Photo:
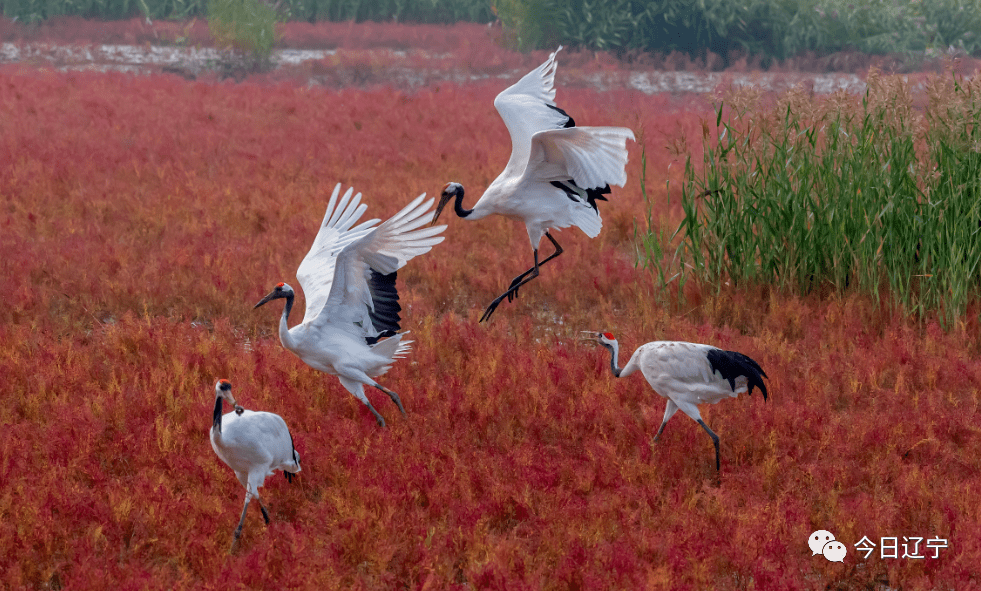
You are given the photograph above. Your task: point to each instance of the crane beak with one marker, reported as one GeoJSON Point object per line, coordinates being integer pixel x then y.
{"type": "Point", "coordinates": [274, 294]}
{"type": "Point", "coordinates": [450, 190]}
{"type": "Point", "coordinates": [591, 336]}
{"type": "Point", "coordinates": [443, 200]}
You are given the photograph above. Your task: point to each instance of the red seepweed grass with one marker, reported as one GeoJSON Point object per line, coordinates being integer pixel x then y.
{"type": "Point", "coordinates": [480, 47]}
{"type": "Point", "coordinates": [145, 216]}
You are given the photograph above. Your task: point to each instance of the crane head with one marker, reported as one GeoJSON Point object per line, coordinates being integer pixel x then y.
{"type": "Point", "coordinates": [280, 291]}
{"type": "Point", "coordinates": [603, 338]}
{"type": "Point", "coordinates": [450, 190]}
{"type": "Point", "coordinates": [223, 389]}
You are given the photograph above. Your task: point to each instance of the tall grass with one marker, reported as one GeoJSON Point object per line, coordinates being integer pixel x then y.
{"type": "Point", "coordinates": [245, 29]}
{"type": "Point", "coordinates": [775, 29]}
{"type": "Point", "coordinates": [418, 11]}
{"type": "Point", "coordinates": [842, 193]}
{"type": "Point", "coordinates": [32, 11]}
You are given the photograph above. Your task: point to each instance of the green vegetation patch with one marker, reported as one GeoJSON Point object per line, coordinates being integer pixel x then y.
{"type": "Point", "coordinates": [247, 28]}
{"type": "Point", "coordinates": [776, 29]}
{"type": "Point", "coordinates": [418, 11]}
{"type": "Point", "coordinates": [840, 193]}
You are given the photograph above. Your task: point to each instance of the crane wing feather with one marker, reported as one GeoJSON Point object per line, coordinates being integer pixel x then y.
{"type": "Point", "coordinates": [383, 250]}
{"type": "Point", "coordinates": [527, 107]}
{"type": "Point", "coordinates": [592, 157]}
{"type": "Point", "coordinates": [316, 271]}
{"type": "Point", "coordinates": [402, 237]}
{"type": "Point", "coordinates": [732, 365]}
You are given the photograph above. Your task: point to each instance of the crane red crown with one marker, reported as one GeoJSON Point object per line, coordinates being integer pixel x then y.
{"type": "Point", "coordinates": [609, 335]}
{"type": "Point", "coordinates": [280, 284]}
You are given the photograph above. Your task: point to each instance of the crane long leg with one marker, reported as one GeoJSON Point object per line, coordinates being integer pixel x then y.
{"type": "Point", "coordinates": [517, 281]}
{"type": "Point", "coordinates": [715, 440]}
{"type": "Point", "coordinates": [378, 417]}
{"type": "Point", "coordinates": [241, 522]}
{"type": "Point", "coordinates": [521, 279]}
{"type": "Point", "coordinates": [355, 385]}
{"type": "Point", "coordinates": [395, 397]}
{"type": "Point", "coordinates": [669, 409]}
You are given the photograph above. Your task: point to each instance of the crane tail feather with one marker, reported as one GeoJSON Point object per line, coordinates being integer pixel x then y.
{"type": "Point", "coordinates": [731, 365]}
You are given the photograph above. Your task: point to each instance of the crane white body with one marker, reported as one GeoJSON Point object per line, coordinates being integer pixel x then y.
{"type": "Point", "coordinates": [688, 374]}
{"type": "Point", "coordinates": [254, 445]}
{"type": "Point", "coordinates": [556, 173]}
{"type": "Point", "coordinates": [682, 373]}
{"type": "Point", "coordinates": [350, 323]}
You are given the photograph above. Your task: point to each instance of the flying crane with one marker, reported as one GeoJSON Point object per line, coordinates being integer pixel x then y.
{"type": "Point", "coordinates": [556, 173]}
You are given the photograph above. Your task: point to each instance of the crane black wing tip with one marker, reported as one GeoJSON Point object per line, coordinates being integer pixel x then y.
{"type": "Point", "coordinates": [385, 301]}
{"type": "Point", "coordinates": [382, 335]}
{"type": "Point", "coordinates": [731, 365]}
{"type": "Point", "coordinates": [569, 121]}
{"type": "Point", "coordinates": [594, 195]}
{"type": "Point", "coordinates": [574, 192]}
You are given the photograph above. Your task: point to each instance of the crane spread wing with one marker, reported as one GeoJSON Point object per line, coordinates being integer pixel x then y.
{"type": "Point", "coordinates": [592, 157]}
{"type": "Point", "coordinates": [527, 107]}
{"type": "Point", "coordinates": [316, 272]}
{"type": "Point", "coordinates": [362, 297]}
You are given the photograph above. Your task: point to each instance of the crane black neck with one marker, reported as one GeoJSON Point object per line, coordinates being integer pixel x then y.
{"type": "Point", "coordinates": [613, 360]}
{"type": "Point", "coordinates": [216, 423]}
{"type": "Point", "coordinates": [289, 306]}
{"type": "Point", "coordinates": [458, 205]}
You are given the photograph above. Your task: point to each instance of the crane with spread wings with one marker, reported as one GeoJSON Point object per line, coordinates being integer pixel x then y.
{"type": "Point", "coordinates": [351, 322]}
{"type": "Point", "coordinates": [556, 174]}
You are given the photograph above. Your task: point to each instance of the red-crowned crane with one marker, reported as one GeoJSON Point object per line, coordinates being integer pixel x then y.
{"type": "Point", "coordinates": [687, 374]}
{"type": "Point", "coordinates": [350, 326]}
{"type": "Point", "coordinates": [254, 445]}
{"type": "Point", "coordinates": [556, 174]}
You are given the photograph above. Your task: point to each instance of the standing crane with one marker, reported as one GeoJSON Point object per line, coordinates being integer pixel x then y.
{"type": "Point", "coordinates": [687, 374]}
{"type": "Point", "coordinates": [351, 322]}
{"type": "Point", "coordinates": [556, 174]}
{"type": "Point", "coordinates": [254, 445]}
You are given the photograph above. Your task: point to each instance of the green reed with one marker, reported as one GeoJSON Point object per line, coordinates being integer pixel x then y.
{"type": "Point", "coordinates": [840, 193]}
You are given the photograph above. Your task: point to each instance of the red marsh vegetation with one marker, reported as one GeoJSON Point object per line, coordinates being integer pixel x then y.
{"type": "Point", "coordinates": [469, 48]}
{"type": "Point", "coordinates": [144, 216]}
